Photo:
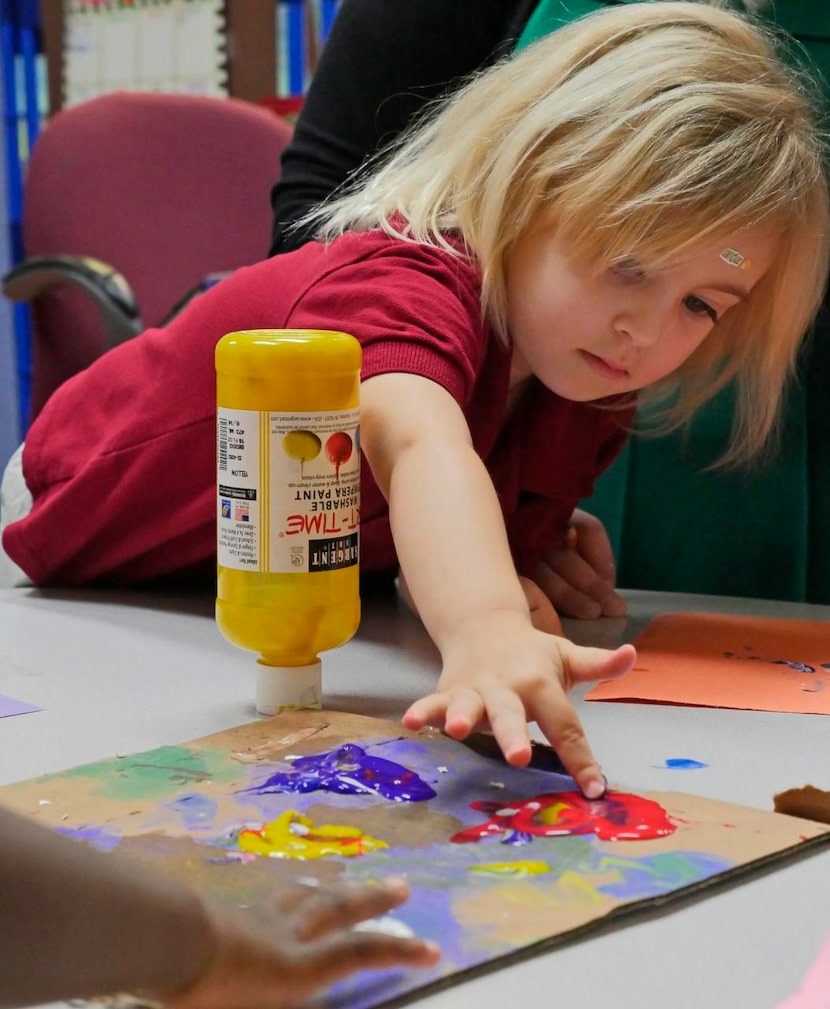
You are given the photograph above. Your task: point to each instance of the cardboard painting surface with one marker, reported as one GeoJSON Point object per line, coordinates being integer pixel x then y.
{"type": "Point", "coordinates": [508, 893]}
{"type": "Point", "coordinates": [722, 661]}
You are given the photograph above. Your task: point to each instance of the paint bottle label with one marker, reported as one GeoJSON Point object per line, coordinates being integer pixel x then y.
{"type": "Point", "coordinates": [288, 490]}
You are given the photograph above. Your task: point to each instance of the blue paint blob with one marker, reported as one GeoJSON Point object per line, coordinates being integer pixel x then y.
{"type": "Point", "coordinates": [681, 764]}
{"type": "Point", "coordinates": [195, 809]}
{"type": "Point", "coordinates": [517, 837]}
{"type": "Point", "coordinates": [652, 875]}
{"type": "Point", "coordinates": [349, 770]}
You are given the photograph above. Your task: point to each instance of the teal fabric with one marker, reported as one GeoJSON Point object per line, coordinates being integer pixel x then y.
{"type": "Point", "coordinates": [552, 14]}
{"type": "Point", "coordinates": [677, 525]}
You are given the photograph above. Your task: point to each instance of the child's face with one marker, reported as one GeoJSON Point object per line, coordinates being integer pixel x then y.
{"type": "Point", "coordinates": [588, 335]}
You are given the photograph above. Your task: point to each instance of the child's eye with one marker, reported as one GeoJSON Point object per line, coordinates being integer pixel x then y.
{"type": "Point", "coordinates": [697, 306]}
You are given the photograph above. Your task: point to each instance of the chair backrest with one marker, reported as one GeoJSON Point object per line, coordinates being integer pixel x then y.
{"type": "Point", "coordinates": [165, 188]}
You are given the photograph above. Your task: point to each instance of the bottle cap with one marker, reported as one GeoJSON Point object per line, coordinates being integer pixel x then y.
{"type": "Point", "coordinates": [285, 688]}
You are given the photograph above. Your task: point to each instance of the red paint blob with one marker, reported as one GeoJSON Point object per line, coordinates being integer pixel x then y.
{"type": "Point", "coordinates": [620, 816]}
{"type": "Point", "coordinates": [338, 450]}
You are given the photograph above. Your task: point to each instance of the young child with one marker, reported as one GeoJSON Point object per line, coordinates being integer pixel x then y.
{"type": "Point", "coordinates": [635, 203]}
{"type": "Point", "coordinates": [76, 923]}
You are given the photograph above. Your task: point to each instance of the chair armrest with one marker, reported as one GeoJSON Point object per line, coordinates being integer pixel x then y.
{"type": "Point", "coordinates": [108, 289]}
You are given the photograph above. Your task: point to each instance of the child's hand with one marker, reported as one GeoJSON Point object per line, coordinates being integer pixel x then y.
{"type": "Point", "coordinates": [279, 960]}
{"type": "Point", "coordinates": [500, 672]}
{"type": "Point", "coordinates": [579, 576]}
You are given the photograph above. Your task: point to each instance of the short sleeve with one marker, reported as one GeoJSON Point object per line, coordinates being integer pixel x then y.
{"type": "Point", "coordinates": [414, 309]}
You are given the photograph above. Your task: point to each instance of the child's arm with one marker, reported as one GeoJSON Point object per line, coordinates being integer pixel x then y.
{"type": "Point", "coordinates": [75, 922]}
{"type": "Point", "coordinates": [498, 670]}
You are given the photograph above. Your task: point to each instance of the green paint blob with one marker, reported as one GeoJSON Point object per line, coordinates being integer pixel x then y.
{"type": "Point", "coordinates": [154, 773]}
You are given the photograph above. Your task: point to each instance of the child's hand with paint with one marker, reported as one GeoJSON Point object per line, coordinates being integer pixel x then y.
{"type": "Point", "coordinates": [279, 960]}
{"type": "Point", "coordinates": [502, 665]}
{"type": "Point", "coordinates": [500, 672]}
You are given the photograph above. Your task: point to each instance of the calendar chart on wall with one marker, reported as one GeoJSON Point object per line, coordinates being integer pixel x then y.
{"type": "Point", "coordinates": [144, 45]}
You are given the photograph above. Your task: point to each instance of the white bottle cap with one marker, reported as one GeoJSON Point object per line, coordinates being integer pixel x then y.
{"type": "Point", "coordinates": [284, 688]}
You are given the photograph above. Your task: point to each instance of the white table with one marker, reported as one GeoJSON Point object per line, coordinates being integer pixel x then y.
{"type": "Point", "coordinates": [121, 672]}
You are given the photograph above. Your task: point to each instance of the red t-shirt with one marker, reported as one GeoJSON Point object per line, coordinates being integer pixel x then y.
{"type": "Point", "coordinates": [121, 461]}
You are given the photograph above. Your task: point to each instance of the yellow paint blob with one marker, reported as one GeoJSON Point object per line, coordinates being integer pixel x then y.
{"type": "Point", "coordinates": [575, 888]}
{"type": "Point", "coordinates": [551, 814]}
{"type": "Point", "coordinates": [518, 869]}
{"type": "Point", "coordinates": [292, 835]}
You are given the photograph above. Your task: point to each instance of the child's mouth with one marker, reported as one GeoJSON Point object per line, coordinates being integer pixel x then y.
{"type": "Point", "coordinates": [603, 366]}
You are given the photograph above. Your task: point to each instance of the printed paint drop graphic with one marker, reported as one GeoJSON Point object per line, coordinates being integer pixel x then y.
{"type": "Point", "coordinates": [302, 445]}
{"type": "Point", "coordinates": [339, 450]}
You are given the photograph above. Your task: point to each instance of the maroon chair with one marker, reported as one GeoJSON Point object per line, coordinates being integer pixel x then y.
{"type": "Point", "coordinates": [131, 199]}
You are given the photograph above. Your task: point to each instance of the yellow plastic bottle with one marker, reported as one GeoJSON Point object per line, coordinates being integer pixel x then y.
{"type": "Point", "coordinates": [288, 503]}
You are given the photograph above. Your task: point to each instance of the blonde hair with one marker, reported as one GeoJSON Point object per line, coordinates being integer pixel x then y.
{"type": "Point", "coordinates": [638, 131]}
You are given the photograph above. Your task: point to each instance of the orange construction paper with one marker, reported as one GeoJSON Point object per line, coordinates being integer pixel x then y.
{"type": "Point", "coordinates": [721, 661]}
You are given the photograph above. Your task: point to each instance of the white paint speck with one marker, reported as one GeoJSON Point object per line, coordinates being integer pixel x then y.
{"type": "Point", "coordinates": [387, 925]}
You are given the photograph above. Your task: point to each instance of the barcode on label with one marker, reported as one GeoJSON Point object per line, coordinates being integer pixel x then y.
{"type": "Point", "coordinates": [222, 442]}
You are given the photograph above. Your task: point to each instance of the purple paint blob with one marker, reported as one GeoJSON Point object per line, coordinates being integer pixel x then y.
{"type": "Point", "coordinates": [96, 837]}
{"type": "Point", "coordinates": [349, 770]}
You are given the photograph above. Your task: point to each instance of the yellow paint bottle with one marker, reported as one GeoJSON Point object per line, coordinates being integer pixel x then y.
{"type": "Point", "coordinates": [288, 503]}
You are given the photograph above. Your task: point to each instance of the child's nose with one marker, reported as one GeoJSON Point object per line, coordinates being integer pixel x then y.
{"type": "Point", "coordinates": [642, 326]}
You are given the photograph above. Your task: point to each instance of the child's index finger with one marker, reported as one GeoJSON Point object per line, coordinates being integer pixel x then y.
{"type": "Point", "coordinates": [560, 725]}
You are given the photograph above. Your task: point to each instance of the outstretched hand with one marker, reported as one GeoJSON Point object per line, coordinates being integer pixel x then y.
{"type": "Point", "coordinates": [500, 672]}
{"type": "Point", "coordinates": [278, 960]}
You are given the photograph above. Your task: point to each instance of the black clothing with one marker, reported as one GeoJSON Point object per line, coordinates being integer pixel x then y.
{"type": "Point", "coordinates": [384, 60]}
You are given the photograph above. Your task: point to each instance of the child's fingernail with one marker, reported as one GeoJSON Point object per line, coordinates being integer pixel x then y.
{"type": "Point", "coordinates": [396, 884]}
{"type": "Point", "coordinates": [596, 788]}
